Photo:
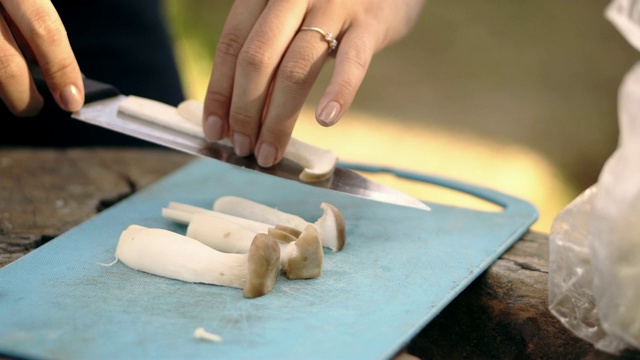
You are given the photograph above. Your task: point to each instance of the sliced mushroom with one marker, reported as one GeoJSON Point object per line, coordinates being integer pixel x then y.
{"type": "Point", "coordinates": [168, 254]}
{"type": "Point", "coordinates": [158, 113]}
{"type": "Point", "coordinates": [331, 226]}
{"type": "Point", "coordinates": [318, 163]}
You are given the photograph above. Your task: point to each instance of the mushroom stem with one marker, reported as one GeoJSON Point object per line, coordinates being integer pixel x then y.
{"type": "Point", "coordinates": [165, 253]}
{"type": "Point", "coordinates": [181, 213]}
{"type": "Point", "coordinates": [301, 254]}
{"type": "Point", "coordinates": [331, 226]}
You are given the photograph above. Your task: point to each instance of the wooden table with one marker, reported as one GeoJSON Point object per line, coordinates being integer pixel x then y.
{"type": "Point", "coordinates": [502, 314]}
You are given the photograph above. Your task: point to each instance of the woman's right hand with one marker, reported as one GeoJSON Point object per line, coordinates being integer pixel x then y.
{"type": "Point", "coordinates": [31, 31]}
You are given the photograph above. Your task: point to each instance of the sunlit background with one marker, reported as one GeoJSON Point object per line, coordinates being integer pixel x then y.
{"type": "Point", "coordinates": [516, 96]}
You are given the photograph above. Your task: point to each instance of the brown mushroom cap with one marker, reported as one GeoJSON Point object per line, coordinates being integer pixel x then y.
{"type": "Point", "coordinates": [307, 264]}
{"type": "Point", "coordinates": [263, 266]}
{"type": "Point", "coordinates": [283, 233]}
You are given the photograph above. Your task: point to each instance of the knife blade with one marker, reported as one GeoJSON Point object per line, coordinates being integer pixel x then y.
{"type": "Point", "coordinates": [101, 108]}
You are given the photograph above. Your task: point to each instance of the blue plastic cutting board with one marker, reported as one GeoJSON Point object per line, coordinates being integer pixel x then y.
{"type": "Point", "coordinates": [401, 266]}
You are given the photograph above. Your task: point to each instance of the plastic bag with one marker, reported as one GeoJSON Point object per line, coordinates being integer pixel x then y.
{"type": "Point", "coordinates": [594, 269]}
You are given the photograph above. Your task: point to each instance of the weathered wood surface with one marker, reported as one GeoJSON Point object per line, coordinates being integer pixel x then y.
{"type": "Point", "coordinates": [43, 192]}
{"type": "Point", "coordinates": [503, 314]}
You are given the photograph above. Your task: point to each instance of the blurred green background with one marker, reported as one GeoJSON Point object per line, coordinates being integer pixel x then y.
{"type": "Point", "coordinates": [518, 96]}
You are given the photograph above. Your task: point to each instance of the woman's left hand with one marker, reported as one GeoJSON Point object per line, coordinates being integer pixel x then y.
{"type": "Point", "coordinates": [266, 63]}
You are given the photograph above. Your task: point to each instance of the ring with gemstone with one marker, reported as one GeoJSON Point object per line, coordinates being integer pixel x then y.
{"type": "Point", "coordinates": [328, 37]}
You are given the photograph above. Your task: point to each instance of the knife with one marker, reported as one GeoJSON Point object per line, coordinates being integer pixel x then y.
{"type": "Point", "coordinates": [101, 108]}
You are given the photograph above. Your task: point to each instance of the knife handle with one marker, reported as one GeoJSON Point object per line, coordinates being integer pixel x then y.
{"type": "Point", "coordinates": [93, 90]}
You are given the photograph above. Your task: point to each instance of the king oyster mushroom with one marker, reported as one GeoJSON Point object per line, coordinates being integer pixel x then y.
{"type": "Point", "coordinates": [168, 254]}
{"type": "Point", "coordinates": [331, 226]}
{"type": "Point", "coordinates": [301, 254]}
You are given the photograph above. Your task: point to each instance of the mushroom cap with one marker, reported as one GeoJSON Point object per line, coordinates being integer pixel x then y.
{"type": "Point", "coordinates": [307, 263]}
{"type": "Point", "coordinates": [263, 266]}
{"type": "Point", "coordinates": [331, 227]}
{"type": "Point", "coordinates": [283, 233]}
{"type": "Point", "coordinates": [318, 163]}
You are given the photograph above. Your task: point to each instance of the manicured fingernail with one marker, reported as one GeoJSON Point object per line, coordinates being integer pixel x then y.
{"type": "Point", "coordinates": [241, 144]}
{"type": "Point", "coordinates": [329, 114]}
{"type": "Point", "coordinates": [70, 98]}
{"type": "Point", "coordinates": [266, 155]}
{"type": "Point", "coordinates": [213, 128]}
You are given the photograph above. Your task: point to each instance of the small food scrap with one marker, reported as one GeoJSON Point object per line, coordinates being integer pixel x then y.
{"type": "Point", "coordinates": [201, 334]}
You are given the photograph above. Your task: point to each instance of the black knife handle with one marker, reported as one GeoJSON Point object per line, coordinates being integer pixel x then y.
{"type": "Point", "coordinates": [93, 90]}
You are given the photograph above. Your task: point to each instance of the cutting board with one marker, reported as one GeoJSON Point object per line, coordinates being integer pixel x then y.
{"type": "Point", "coordinates": [400, 267]}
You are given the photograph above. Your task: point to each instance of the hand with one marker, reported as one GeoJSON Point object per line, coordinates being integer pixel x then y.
{"type": "Point", "coordinates": [265, 65]}
{"type": "Point", "coordinates": [31, 31]}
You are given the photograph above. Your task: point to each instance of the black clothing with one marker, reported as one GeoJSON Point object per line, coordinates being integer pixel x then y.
{"type": "Point", "coordinates": [120, 42]}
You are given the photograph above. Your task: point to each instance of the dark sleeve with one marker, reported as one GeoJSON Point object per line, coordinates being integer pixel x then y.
{"type": "Point", "coordinates": [120, 42]}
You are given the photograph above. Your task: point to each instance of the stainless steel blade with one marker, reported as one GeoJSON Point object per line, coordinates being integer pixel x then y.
{"type": "Point", "coordinates": [105, 113]}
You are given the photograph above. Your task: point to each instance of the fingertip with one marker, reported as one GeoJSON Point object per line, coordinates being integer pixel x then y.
{"type": "Point", "coordinates": [213, 128]}
{"type": "Point", "coordinates": [266, 155]}
{"type": "Point", "coordinates": [71, 99]}
{"type": "Point", "coordinates": [329, 114]}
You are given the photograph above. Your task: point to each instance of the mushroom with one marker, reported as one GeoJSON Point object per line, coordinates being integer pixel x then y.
{"type": "Point", "coordinates": [301, 254]}
{"type": "Point", "coordinates": [158, 113]}
{"type": "Point", "coordinates": [318, 163]}
{"type": "Point", "coordinates": [181, 213]}
{"type": "Point", "coordinates": [165, 253]}
{"type": "Point", "coordinates": [331, 226]}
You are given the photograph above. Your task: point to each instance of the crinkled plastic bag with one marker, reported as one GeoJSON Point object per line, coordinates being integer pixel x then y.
{"type": "Point", "coordinates": [594, 270]}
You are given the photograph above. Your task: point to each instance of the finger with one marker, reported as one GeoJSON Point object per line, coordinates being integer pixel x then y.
{"type": "Point", "coordinates": [295, 77]}
{"type": "Point", "coordinates": [354, 55]}
{"type": "Point", "coordinates": [17, 89]}
{"type": "Point", "coordinates": [256, 66]}
{"type": "Point", "coordinates": [39, 23]}
{"type": "Point", "coordinates": [215, 119]}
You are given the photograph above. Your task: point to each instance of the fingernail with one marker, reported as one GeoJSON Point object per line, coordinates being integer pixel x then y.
{"type": "Point", "coordinates": [70, 98]}
{"type": "Point", "coordinates": [213, 128]}
{"type": "Point", "coordinates": [330, 114]}
{"type": "Point", "coordinates": [266, 155]}
{"type": "Point", "coordinates": [241, 144]}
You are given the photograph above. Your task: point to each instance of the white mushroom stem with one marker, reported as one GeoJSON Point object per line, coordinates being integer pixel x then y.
{"type": "Point", "coordinates": [159, 113]}
{"type": "Point", "coordinates": [191, 110]}
{"type": "Point", "coordinates": [318, 163]}
{"type": "Point", "coordinates": [301, 254]}
{"type": "Point", "coordinates": [168, 254]}
{"type": "Point", "coordinates": [181, 213]}
{"type": "Point", "coordinates": [330, 226]}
